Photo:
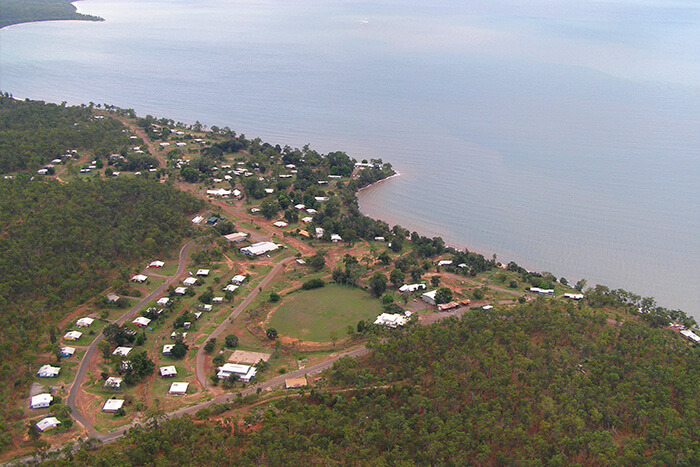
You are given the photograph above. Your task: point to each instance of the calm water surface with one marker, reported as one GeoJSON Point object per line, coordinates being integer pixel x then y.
{"type": "Point", "coordinates": [562, 135]}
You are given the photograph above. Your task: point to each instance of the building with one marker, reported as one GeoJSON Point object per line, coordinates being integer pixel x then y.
{"type": "Point", "coordinates": [539, 291]}
{"type": "Point", "coordinates": [168, 371]}
{"type": "Point", "coordinates": [178, 388]}
{"type": "Point", "coordinates": [217, 299]}
{"type": "Point", "coordinates": [293, 383]}
{"type": "Point", "coordinates": [258, 249]}
{"type": "Point", "coordinates": [690, 335]}
{"type": "Point", "coordinates": [72, 335]}
{"type": "Point", "coordinates": [221, 192]}
{"type": "Point", "coordinates": [236, 237]}
{"type": "Point", "coordinates": [112, 405]}
{"type": "Point", "coordinates": [244, 372]}
{"type": "Point", "coordinates": [444, 262]}
{"type": "Point", "coordinates": [156, 264]}
{"type": "Point", "coordinates": [84, 322]}
{"type": "Point", "coordinates": [180, 290]}
{"type": "Point", "coordinates": [113, 382]}
{"type": "Point", "coordinates": [448, 306]}
{"type": "Point", "coordinates": [112, 298]}
{"type": "Point", "coordinates": [48, 423]}
{"type": "Point", "coordinates": [574, 296]}
{"type": "Point", "coordinates": [391, 320]}
{"type": "Point", "coordinates": [411, 287]}
{"type": "Point", "coordinates": [40, 401]}
{"type": "Point", "coordinates": [202, 272]}
{"type": "Point", "coordinates": [238, 279]}
{"type": "Point", "coordinates": [48, 371]}
{"type": "Point", "coordinates": [429, 297]}
{"type": "Point", "coordinates": [167, 349]}
{"type": "Point", "coordinates": [163, 301]}
{"type": "Point", "coordinates": [139, 278]}
{"type": "Point", "coordinates": [66, 351]}
{"type": "Point", "coordinates": [379, 239]}
{"type": "Point", "coordinates": [189, 282]}
{"type": "Point", "coordinates": [197, 219]}
{"type": "Point", "coordinates": [122, 351]}
{"type": "Point", "coordinates": [230, 288]}
{"type": "Point", "coordinates": [280, 224]}
{"type": "Point", "coordinates": [335, 238]}
{"type": "Point", "coordinates": [141, 321]}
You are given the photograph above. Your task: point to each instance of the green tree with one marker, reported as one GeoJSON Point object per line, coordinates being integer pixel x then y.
{"type": "Point", "coordinates": [397, 277]}
{"type": "Point", "coordinates": [231, 341]}
{"type": "Point", "coordinates": [271, 333]}
{"type": "Point", "coordinates": [443, 295]}
{"type": "Point", "coordinates": [179, 349]}
{"type": "Point", "coordinates": [377, 283]}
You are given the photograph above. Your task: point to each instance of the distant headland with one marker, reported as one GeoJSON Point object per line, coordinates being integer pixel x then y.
{"type": "Point", "coordinates": [29, 11]}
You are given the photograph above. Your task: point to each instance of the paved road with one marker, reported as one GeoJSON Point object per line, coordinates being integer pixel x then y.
{"type": "Point", "coordinates": [201, 355]}
{"type": "Point", "coordinates": [84, 363]}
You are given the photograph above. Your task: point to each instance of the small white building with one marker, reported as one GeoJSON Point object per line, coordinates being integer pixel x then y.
{"type": "Point", "coordinates": [168, 349]}
{"type": "Point", "coordinates": [40, 401]}
{"type": "Point", "coordinates": [180, 290]}
{"type": "Point", "coordinates": [178, 388]}
{"type": "Point", "coordinates": [141, 321]}
{"type": "Point", "coordinates": [444, 262]}
{"type": "Point", "coordinates": [280, 224]}
{"type": "Point", "coordinates": [48, 423]}
{"type": "Point", "coordinates": [391, 320]}
{"type": "Point", "coordinates": [178, 335]}
{"type": "Point", "coordinates": [113, 382]}
{"type": "Point", "coordinates": [311, 211]}
{"type": "Point", "coordinates": [197, 219]}
{"type": "Point", "coordinates": [202, 272]}
{"type": "Point", "coordinates": [540, 291]}
{"type": "Point", "coordinates": [335, 238]}
{"type": "Point", "coordinates": [258, 249]}
{"type": "Point", "coordinates": [230, 288]}
{"type": "Point", "coordinates": [217, 299]}
{"type": "Point", "coordinates": [300, 206]}
{"type": "Point", "coordinates": [67, 351]}
{"type": "Point", "coordinates": [156, 264]}
{"type": "Point", "coordinates": [221, 192]}
{"type": "Point", "coordinates": [244, 372]}
{"type": "Point", "coordinates": [122, 351]}
{"type": "Point", "coordinates": [168, 371]}
{"type": "Point", "coordinates": [307, 219]}
{"type": "Point", "coordinates": [429, 297]}
{"type": "Point", "coordinates": [189, 282]}
{"type": "Point", "coordinates": [487, 307]}
{"type": "Point", "coordinates": [321, 199]}
{"type": "Point", "coordinates": [72, 335]}
{"type": "Point", "coordinates": [139, 278]}
{"type": "Point", "coordinates": [236, 237]}
{"type": "Point", "coordinates": [84, 322]}
{"type": "Point", "coordinates": [163, 301]}
{"type": "Point", "coordinates": [238, 279]}
{"type": "Point", "coordinates": [112, 405]}
{"type": "Point", "coordinates": [690, 335]}
{"type": "Point", "coordinates": [48, 371]}
{"type": "Point", "coordinates": [574, 296]}
{"type": "Point", "coordinates": [411, 287]}
{"type": "Point", "coordinates": [379, 239]}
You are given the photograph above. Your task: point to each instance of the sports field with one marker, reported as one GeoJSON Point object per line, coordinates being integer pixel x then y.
{"type": "Point", "coordinates": [313, 315]}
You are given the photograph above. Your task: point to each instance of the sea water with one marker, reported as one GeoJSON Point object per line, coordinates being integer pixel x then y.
{"type": "Point", "coordinates": [562, 135]}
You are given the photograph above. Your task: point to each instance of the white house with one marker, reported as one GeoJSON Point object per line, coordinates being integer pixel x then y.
{"type": "Point", "coordinates": [319, 232]}
{"type": "Point", "coordinates": [307, 219]}
{"type": "Point", "coordinates": [300, 206]}
{"type": "Point", "coordinates": [379, 239]}
{"type": "Point", "coordinates": [180, 290]}
{"type": "Point", "coordinates": [141, 321]}
{"type": "Point", "coordinates": [444, 262]}
{"type": "Point", "coordinates": [391, 320]}
{"type": "Point", "coordinates": [139, 278]}
{"type": "Point", "coordinates": [189, 282]}
{"type": "Point", "coordinates": [236, 237]}
{"type": "Point", "coordinates": [280, 224]}
{"type": "Point", "coordinates": [411, 287]}
{"type": "Point", "coordinates": [67, 351]}
{"type": "Point", "coordinates": [217, 299]}
{"type": "Point", "coordinates": [72, 335]}
{"type": "Point", "coordinates": [429, 297]}
{"type": "Point", "coordinates": [167, 349]}
{"type": "Point", "coordinates": [122, 351]}
{"type": "Point", "coordinates": [312, 211]}
{"type": "Point", "coordinates": [574, 296]}
{"type": "Point", "coordinates": [113, 382]}
{"type": "Point", "coordinates": [163, 301]}
{"type": "Point", "coordinates": [321, 199]}
{"type": "Point", "coordinates": [202, 272]}
{"type": "Point", "coordinates": [48, 371]}
{"type": "Point", "coordinates": [178, 335]}
{"type": "Point", "coordinates": [258, 249]}
{"type": "Point", "coordinates": [230, 288]}
{"type": "Point", "coordinates": [238, 279]}
{"type": "Point", "coordinates": [40, 401]}
{"type": "Point", "coordinates": [244, 372]}
{"type": "Point", "coordinates": [112, 405]}
{"type": "Point", "coordinates": [690, 335]}
{"type": "Point", "coordinates": [219, 192]}
{"type": "Point", "coordinates": [335, 238]}
{"type": "Point", "coordinates": [487, 307]}
{"type": "Point", "coordinates": [84, 322]}
{"type": "Point", "coordinates": [156, 264]}
{"type": "Point", "coordinates": [168, 371]}
{"type": "Point", "coordinates": [48, 424]}
{"type": "Point", "coordinates": [539, 291]}
{"type": "Point", "coordinates": [178, 388]}
{"type": "Point", "coordinates": [269, 191]}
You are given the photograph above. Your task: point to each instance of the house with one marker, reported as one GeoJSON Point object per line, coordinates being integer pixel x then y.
{"type": "Point", "coordinates": [230, 288]}
{"type": "Point", "coordinates": [574, 296]}
{"type": "Point", "coordinates": [112, 298]}
{"type": "Point", "coordinates": [690, 335]}
{"type": "Point", "coordinates": [221, 192]}
{"type": "Point", "coordinates": [139, 278]}
{"type": "Point", "coordinates": [178, 388]}
{"type": "Point", "coordinates": [487, 307]}
{"type": "Point", "coordinates": [72, 335]}
{"type": "Point", "coordinates": [238, 279]}
{"type": "Point", "coordinates": [113, 382]}
{"type": "Point", "coordinates": [48, 423]}
{"type": "Point", "coordinates": [269, 191]}
{"type": "Point", "coordinates": [205, 308]}
{"type": "Point", "coordinates": [411, 287]}
{"type": "Point", "coordinates": [539, 291]}
{"type": "Point", "coordinates": [168, 371]}
{"type": "Point", "coordinates": [319, 232]}
{"type": "Point", "coordinates": [40, 401]}
{"type": "Point", "coordinates": [197, 219]}
{"type": "Point", "coordinates": [293, 383]}
{"type": "Point", "coordinates": [178, 335]}
{"type": "Point", "coordinates": [165, 145]}
{"type": "Point", "coordinates": [300, 206]}
{"type": "Point", "coordinates": [448, 306]}
{"type": "Point", "coordinates": [280, 224]}
{"type": "Point", "coordinates": [258, 249]}
{"type": "Point", "coordinates": [300, 261]}
{"type": "Point", "coordinates": [236, 237]}
{"type": "Point", "coordinates": [311, 211]}
{"type": "Point", "coordinates": [112, 405]}
{"type": "Point", "coordinates": [444, 262]}
{"type": "Point", "coordinates": [141, 321]}
{"type": "Point", "coordinates": [198, 314]}
{"type": "Point", "coordinates": [237, 194]}
{"type": "Point", "coordinates": [217, 299]}
{"type": "Point", "coordinates": [48, 371]}
{"type": "Point", "coordinates": [189, 282]}
{"type": "Point", "coordinates": [335, 238]}
{"type": "Point", "coordinates": [429, 297]}
{"type": "Point", "coordinates": [254, 210]}
{"type": "Point", "coordinates": [379, 239]}
{"type": "Point", "coordinates": [156, 264]}
{"type": "Point", "coordinates": [66, 351]}
{"type": "Point", "coordinates": [163, 301]}
{"type": "Point", "coordinates": [321, 199]}
{"type": "Point", "coordinates": [167, 349]}
{"type": "Point", "coordinates": [391, 320]}
{"type": "Point", "coordinates": [122, 351]}
{"type": "Point", "coordinates": [307, 220]}
{"type": "Point", "coordinates": [304, 233]}
{"type": "Point", "coordinates": [180, 145]}
{"type": "Point", "coordinates": [84, 322]}
{"type": "Point", "coordinates": [244, 372]}
{"type": "Point", "coordinates": [202, 272]}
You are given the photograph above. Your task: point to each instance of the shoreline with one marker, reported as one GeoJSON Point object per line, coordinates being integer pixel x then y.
{"type": "Point", "coordinates": [90, 18]}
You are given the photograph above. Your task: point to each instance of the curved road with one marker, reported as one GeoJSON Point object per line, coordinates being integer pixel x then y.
{"type": "Point", "coordinates": [84, 363]}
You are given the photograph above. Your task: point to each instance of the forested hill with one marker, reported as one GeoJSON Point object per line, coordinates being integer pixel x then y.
{"type": "Point", "coordinates": [544, 383]}
{"type": "Point", "coordinates": [32, 133]}
{"type": "Point", "coordinates": [61, 244]}
{"type": "Point", "coordinates": [27, 11]}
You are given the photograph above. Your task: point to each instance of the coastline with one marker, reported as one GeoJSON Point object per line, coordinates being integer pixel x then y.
{"type": "Point", "coordinates": [82, 17]}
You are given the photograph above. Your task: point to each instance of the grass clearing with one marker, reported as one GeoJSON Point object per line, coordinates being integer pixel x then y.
{"type": "Point", "coordinates": [317, 314]}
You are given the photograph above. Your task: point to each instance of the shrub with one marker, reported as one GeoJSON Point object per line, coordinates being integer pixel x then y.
{"type": "Point", "coordinates": [313, 284]}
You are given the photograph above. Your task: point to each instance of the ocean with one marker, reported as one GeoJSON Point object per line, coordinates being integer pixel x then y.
{"type": "Point", "coordinates": [562, 135]}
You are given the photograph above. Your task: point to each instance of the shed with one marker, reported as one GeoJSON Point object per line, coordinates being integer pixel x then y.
{"type": "Point", "coordinates": [236, 237]}
{"type": "Point", "coordinates": [141, 321]}
{"type": "Point", "coordinates": [40, 401]}
{"type": "Point", "coordinates": [178, 388]}
{"type": "Point", "coordinates": [258, 249]}
{"type": "Point", "coordinates": [429, 297]}
{"type": "Point", "coordinates": [156, 264]}
{"type": "Point", "coordinates": [112, 405]}
{"type": "Point", "coordinates": [335, 238]}
{"type": "Point", "coordinates": [48, 423]}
